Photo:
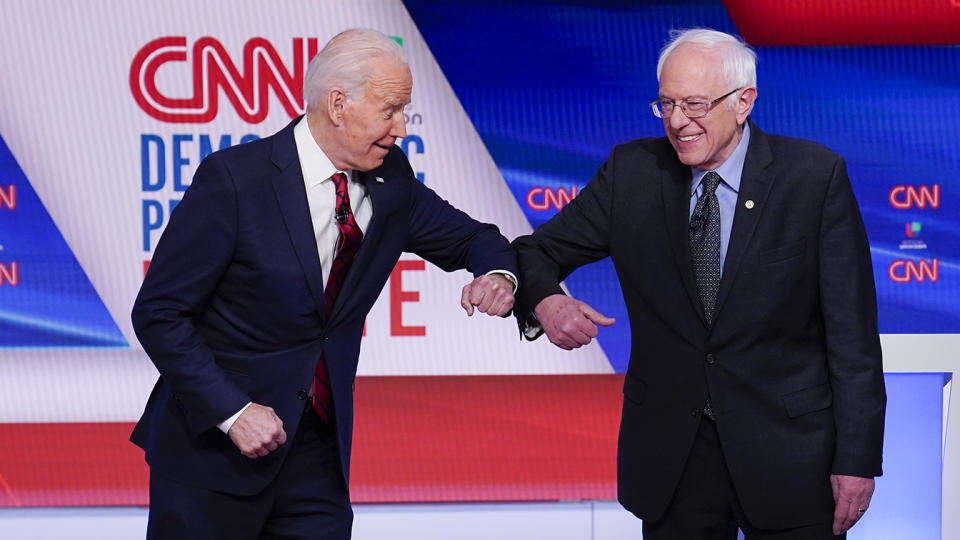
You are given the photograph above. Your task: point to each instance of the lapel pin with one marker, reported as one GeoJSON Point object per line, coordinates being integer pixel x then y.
{"type": "Point", "coordinates": [379, 179]}
{"type": "Point", "coordinates": [749, 204]}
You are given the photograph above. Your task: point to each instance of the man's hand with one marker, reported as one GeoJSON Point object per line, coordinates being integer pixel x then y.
{"type": "Point", "coordinates": [569, 323]}
{"type": "Point", "coordinates": [257, 431]}
{"type": "Point", "coordinates": [852, 495]}
{"type": "Point", "coordinates": [491, 294]}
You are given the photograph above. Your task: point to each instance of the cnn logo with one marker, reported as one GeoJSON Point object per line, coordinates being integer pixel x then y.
{"type": "Point", "coordinates": [210, 70]}
{"type": "Point", "coordinates": [541, 198]}
{"type": "Point", "coordinates": [904, 197]}
{"type": "Point", "coordinates": [905, 271]}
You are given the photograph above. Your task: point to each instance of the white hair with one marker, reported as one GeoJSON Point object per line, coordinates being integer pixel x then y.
{"type": "Point", "coordinates": [343, 63]}
{"type": "Point", "coordinates": [739, 64]}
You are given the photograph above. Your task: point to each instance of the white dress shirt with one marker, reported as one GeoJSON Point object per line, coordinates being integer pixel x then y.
{"type": "Point", "coordinates": [322, 196]}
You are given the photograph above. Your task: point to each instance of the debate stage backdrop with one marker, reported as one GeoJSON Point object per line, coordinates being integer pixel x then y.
{"type": "Point", "coordinates": [107, 108]}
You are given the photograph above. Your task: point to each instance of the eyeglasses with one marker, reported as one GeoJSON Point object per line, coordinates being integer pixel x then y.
{"type": "Point", "coordinates": [663, 108]}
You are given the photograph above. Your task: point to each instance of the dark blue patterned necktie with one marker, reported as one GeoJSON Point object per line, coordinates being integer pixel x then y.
{"type": "Point", "coordinates": [705, 244]}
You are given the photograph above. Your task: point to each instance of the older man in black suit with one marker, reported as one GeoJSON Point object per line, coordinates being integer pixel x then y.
{"type": "Point", "coordinates": [754, 396]}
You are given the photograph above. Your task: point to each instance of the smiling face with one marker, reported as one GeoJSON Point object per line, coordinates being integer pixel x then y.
{"type": "Point", "coordinates": [694, 72]}
{"type": "Point", "coordinates": [371, 123]}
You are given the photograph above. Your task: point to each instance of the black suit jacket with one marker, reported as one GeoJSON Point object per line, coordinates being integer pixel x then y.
{"type": "Point", "coordinates": [232, 307]}
{"type": "Point", "coordinates": [792, 363]}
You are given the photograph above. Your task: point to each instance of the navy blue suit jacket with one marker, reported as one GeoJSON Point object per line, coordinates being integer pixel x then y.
{"type": "Point", "coordinates": [792, 363]}
{"type": "Point", "coordinates": [232, 307]}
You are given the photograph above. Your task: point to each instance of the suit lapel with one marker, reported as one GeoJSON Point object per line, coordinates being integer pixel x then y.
{"type": "Point", "coordinates": [755, 185]}
{"type": "Point", "coordinates": [292, 197]}
{"type": "Point", "coordinates": [675, 182]}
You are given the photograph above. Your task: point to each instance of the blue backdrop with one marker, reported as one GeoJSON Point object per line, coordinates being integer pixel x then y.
{"type": "Point", "coordinates": [551, 87]}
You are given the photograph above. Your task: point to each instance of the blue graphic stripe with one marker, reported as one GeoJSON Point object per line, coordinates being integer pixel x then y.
{"type": "Point", "coordinates": [48, 301]}
{"type": "Point", "coordinates": [53, 333]}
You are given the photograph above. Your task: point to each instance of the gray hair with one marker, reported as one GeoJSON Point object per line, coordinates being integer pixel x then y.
{"type": "Point", "coordinates": [343, 63]}
{"type": "Point", "coordinates": [739, 65]}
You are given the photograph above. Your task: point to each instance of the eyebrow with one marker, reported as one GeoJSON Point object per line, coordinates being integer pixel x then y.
{"type": "Point", "coordinates": [704, 98]}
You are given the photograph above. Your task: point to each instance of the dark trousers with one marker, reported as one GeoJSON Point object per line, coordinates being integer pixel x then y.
{"type": "Point", "coordinates": [307, 500]}
{"type": "Point", "coordinates": [705, 505]}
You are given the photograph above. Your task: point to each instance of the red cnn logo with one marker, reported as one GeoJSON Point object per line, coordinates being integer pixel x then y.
{"type": "Point", "coordinates": [904, 271]}
{"type": "Point", "coordinates": [904, 197]}
{"type": "Point", "coordinates": [540, 198]}
{"type": "Point", "coordinates": [213, 70]}
{"type": "Point", "coordinates": [10, 274]}
{"type": "Point", "coordinates": [8, 197]}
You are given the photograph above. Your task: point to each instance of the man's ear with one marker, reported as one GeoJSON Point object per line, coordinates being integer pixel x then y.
{"type": "Point", "coordinates": [744, 104]}
{"type": "Point", "coordinates": [336, 102]}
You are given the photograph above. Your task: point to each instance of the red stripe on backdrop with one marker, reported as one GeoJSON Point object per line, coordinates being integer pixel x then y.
{"type": "Point", "coordinates": [82, 464]}
{"type": "Point", "coordinates": [846, 22]}
{"type": "Point", "coordinates": [416, 439]}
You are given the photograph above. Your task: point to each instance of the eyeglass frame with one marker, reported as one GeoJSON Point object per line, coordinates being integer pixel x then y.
{"type": "Point", "coordinates": [683, 105]}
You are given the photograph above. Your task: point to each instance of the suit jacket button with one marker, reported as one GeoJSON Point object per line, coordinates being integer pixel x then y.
{"type": "Point", "coordinates": [302, 394]}
{"type": "Point", "coordinates": [711, 360]}
{"type": "Point", "coordinates": [695, 413]}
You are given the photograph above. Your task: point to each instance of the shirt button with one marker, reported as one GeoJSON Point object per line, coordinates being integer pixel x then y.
{"type": "Point", "coordinates": [711, 360]}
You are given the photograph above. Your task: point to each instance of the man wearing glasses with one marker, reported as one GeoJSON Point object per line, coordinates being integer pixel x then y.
{"type": "Point", "coordinates": [754, 396]}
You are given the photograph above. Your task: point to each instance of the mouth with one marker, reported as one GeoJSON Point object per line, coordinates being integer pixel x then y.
{"type": "Point", "coordinates": [688, 138]}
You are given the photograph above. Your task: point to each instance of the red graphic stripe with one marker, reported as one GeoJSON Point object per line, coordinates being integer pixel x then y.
{"type": "Point", "coordinates": [846, 22]}
{"type": "Point", "coordinates": [486, 438]}
{"type": "Point", "coordinates": [69, 464]}
{"type": "Point", "coordinates": [8, 493]}
{"type": "Point", "coordinates": [431, 438]}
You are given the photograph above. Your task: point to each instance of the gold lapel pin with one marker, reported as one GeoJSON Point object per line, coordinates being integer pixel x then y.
{"type": "Point", "coordinates": [749, 204]}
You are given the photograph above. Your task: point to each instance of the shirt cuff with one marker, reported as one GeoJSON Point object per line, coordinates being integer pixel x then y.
{"type": "Point", "coordinates": [228, 423]}
{"type": "Point", "coordinates": [510, 277]}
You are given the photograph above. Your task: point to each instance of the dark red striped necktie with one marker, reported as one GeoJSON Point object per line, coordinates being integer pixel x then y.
{"type": "Point", "coordinates": [348, 242]}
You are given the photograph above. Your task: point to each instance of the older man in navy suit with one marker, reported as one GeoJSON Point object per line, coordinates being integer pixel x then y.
{"type": "Point", "coordinates": [254, 304]}
{"type": "Point", "coordinates": [754, 396]}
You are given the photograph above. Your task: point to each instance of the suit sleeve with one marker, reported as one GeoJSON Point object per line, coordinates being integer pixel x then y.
{"type": "Point", "coordinates": [849, 306]}
{"type": "Point", "coordinates": [579, 234]}
{"type": "Point", "coordinates": [452, 240]}
{"type": "Point", "coordinates": [192, 255]}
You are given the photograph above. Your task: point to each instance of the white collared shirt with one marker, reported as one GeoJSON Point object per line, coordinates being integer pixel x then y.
{"type": "Point", "coordinates": [322, 197]}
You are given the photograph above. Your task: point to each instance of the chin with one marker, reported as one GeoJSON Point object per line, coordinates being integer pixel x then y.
{"type": "Point", "coordinates": [688, 160]}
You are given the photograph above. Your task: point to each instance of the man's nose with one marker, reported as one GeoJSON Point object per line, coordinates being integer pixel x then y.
{"type": "Point", "coordinates": [399, 127]}
{"type": "Point", "coordinates": [678, 119]}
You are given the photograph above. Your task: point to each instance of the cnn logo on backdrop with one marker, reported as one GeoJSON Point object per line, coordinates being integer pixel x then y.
{"type": "Point", "coordinates": [210, 70]}
{"type": "Point", "coordinates": [903, 197]}
{"type": "Point", "coordinates": [906, 270]}
{"type": "Point", "coordinates": [545, 198]}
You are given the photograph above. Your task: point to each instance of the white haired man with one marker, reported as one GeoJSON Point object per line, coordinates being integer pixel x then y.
{"type": "Point", "coordinates": [754, 396]}
{"type": "Point", "coordinates": [254, 304]}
